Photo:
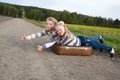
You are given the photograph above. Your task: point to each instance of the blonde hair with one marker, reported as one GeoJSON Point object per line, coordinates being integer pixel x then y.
{"type": "Point", "coordinates": [68, 33]}
{"type": "Point", "coordinates": [52, 19]}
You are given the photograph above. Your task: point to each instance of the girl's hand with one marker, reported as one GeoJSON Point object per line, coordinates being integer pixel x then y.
{"type": "Point", "coordinates": [23, 37]}
{"type": "Point", "coordinates": [39, 48]}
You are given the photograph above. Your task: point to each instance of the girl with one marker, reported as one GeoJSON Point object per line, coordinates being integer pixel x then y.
{"type": "Point", "coordinates": [65, 37]}
{"type": "Point", "coordinates": [50, 30]}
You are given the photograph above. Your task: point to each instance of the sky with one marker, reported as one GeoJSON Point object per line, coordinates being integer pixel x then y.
{"type": "Point", "coordinates": [103, 8]}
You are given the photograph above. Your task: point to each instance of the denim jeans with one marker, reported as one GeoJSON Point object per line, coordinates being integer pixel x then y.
{"type": "Point", "coordinates": [94, 38]}
{"type": "Point", "coordinates": [92, 41]}
{"type": "Point", "coordinates": [84, 40]}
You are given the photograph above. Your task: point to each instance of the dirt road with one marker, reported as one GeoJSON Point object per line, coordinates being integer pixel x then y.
{"type": "Point", "coordinates": [19, 60]}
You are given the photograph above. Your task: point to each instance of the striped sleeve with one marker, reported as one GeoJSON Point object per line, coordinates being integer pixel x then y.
{"type": "Point", "coordinates": [49, 43]}
{"type": "Point", "coordinates": [70, 42]}
{"type": "Point", "coordinates": [36, 35]}
{"type": "Point", "coordinates": [74, 42]}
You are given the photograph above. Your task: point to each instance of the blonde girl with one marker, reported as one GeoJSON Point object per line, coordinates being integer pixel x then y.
{"type": "Point", "coordinates": [49, 30]}
{"type": "Point", "coordinates": [65, 37]}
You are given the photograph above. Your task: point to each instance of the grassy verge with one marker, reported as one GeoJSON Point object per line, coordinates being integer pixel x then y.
{"type": "Point", "coordinates": [111, 35]}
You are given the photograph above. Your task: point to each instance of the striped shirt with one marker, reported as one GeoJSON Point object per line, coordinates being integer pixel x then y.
{"type": "Point", "coordinates": [70, 42]}
{"type": "Point", "coordinates": [65, 41]}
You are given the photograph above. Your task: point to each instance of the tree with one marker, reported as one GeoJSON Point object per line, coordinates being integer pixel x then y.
{"type": "Point", "coordinates": [69, 17]}
{"type": "Point", "coordinates": [116, 23]}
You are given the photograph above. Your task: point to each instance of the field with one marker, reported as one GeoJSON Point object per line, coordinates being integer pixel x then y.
{"type": "Point", "coordinates": [111, 35]}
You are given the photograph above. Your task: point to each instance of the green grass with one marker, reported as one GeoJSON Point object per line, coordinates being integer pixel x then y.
{"type": "Point", "coordinates": [111, 35]}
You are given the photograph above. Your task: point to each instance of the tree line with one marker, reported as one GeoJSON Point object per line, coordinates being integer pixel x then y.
{"type": "Point", "coordinates": [69, 17]}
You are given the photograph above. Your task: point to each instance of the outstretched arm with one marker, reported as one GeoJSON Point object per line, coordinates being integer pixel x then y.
{"type": "Point", "coordinates": [36, 35]}
{"type": "Point", "coordinates": [46, 45]}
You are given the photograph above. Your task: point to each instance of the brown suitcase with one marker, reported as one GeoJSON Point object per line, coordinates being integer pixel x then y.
{"type": "Point", "coordinates": [72, 50]}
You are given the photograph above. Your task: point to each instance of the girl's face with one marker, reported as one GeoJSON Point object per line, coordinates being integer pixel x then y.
{"type": "Point", "coordinates": [60, 30]}
{"type": "Point", "coordinates": [49, 25]}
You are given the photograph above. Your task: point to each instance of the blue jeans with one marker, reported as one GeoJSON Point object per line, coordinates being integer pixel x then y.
{"type": "Point", "coordinates": [92, 41]}
{"type": "Point", "coordinates": [84, 40]}
{"type": "Point", "coordinates": [94, 38]}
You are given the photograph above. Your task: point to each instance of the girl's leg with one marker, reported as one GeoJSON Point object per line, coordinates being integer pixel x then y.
{"type": "Point", "coordinates": [98, 45]}
{"type": "Point", "coordinates": [95, 38]}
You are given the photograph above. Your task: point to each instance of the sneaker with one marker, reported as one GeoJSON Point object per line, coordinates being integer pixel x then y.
{"type": "Point", "coordinates": [101, 39]}
{"type": "Point", "coordinates": [112, 53]}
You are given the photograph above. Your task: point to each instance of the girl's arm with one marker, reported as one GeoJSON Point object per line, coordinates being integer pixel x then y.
{"type": "Point", "coordinates": [49, 43]}
{"type": "Point", "coordinates": [46, 45]}
{"type": "Point", "coordinates": [36, 35]}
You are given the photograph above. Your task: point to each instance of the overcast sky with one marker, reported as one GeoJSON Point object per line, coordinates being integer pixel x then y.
{"type": "Point", "coordinates": [103, 8]}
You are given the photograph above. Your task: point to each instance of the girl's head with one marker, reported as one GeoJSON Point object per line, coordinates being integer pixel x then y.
{"type": "Point", "coordinates": [50, 23]}
{"type": "Point", "coordinates": [62, 29]}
